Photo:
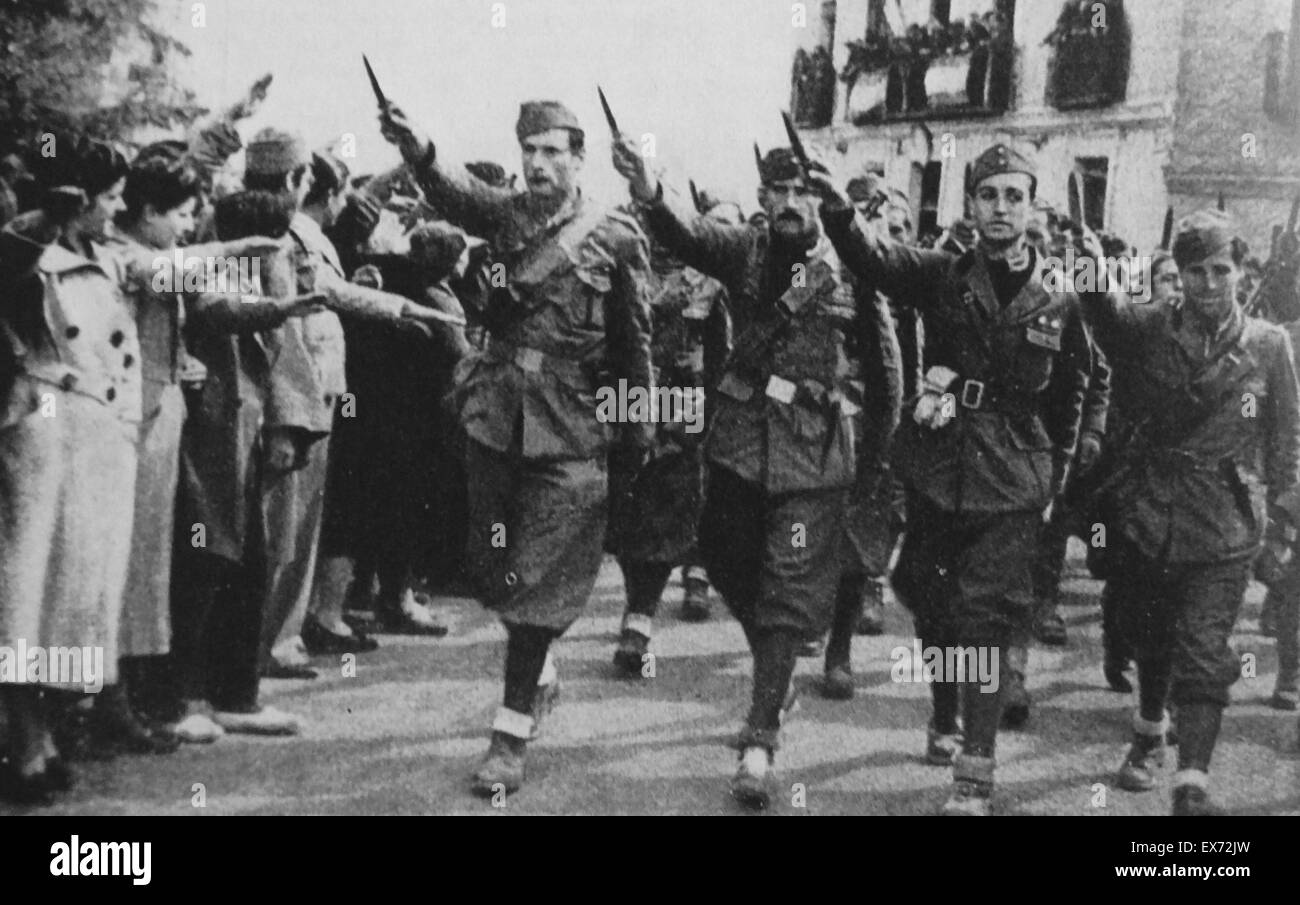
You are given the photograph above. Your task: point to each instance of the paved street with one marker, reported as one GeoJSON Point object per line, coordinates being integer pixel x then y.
{"type": "Point", "coordinates": [402, 736]}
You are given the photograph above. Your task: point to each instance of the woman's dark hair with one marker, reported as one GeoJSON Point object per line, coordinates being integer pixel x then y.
{"type": "Point", "coordinates": [252, 213]}
{"type": "Point", "coordinates": [160, 181]}
{"type": "Point", "coordinates": [89, 164]}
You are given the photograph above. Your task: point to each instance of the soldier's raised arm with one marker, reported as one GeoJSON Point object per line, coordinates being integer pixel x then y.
{"type": "Point", "coordinates": [716, 249]}
{"type": "Point", "coordinates": [907, 275]}
{"type": "Point", "coordinates": [470, 203]}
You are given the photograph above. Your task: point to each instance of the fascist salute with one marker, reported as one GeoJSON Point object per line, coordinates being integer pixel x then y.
{"type": "Point", "coordinates": [570, 315]}
{"type": "Point", "coordinates": [1209, 474]}
{"type": "Point", "coordinates": [984, 451]}
{"type": "Point", "coordinates": [782, 451]}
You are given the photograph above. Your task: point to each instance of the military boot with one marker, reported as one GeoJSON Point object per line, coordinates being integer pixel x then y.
{"type": "Point", "coordinates": [872, 619]}
{"type": "Point", "coordinates": [972, 787]}
{"type": "Point", "coordinates": [633, 645]}
{"type": "Point", "coordinates": [1190, 796]}
{"type": "Point", "coordinates": [695, 603]}
{"type": "Point", "coordinates": [502, 768]}
{"type": "Point", "coordinates": [1015, 697]}
{"type": "Point", "coordinates": [1145, 755]}
{"type": "Point", "coordinates": [755, 782]}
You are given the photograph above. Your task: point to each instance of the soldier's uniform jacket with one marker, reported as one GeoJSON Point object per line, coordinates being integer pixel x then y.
{"type": "Point", "coordinates": [1217, 429]}
{"type": "Point", "coordinates": [691, 338]}
{"type": "Point", "coordinates": [572, 315]}
{"type": "Point", "coordinates": [782, 415]}
{"type": "Point", "coordinates": [1022, 373]}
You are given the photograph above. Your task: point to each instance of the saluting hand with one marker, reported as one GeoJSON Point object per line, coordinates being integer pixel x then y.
{"type": "Point", "coordinates": [821, 185]}
{"type": "Point", "coordinates": [631, 166]}
{"type": "Point", "coordinates": [398, 130]}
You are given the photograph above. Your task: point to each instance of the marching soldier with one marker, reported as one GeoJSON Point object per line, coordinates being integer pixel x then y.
{"type": "Point", "coordinates": [570, 317]}
{"type": "Point", "coordinates": [782, 452]}
{"type": "Point", "coordinates": [984, 453]}
{"type": "Point", "coordinates": [1210, 475]}
{"type": "Point", "coordinates": [655, 514]}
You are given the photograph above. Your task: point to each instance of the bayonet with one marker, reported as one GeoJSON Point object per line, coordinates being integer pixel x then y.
{"type": "Point", "coordinates": [374, 85]}
{"type": "Point", "coordinates": [796, 144]}
{"type": "Point", "coordinates": [609, 114]}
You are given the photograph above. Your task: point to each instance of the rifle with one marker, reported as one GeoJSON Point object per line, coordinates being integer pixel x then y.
{"type": "Point", "coordinates": [1277, 266]}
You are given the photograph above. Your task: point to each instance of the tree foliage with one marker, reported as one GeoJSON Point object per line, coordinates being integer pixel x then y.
{"type": "Point", "coordinates": [54, 63]}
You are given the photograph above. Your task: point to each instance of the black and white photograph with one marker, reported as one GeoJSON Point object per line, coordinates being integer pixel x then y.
{"type": "Point", "coordinates": [651, 408]}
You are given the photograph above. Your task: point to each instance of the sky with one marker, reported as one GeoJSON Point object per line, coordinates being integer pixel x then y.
{"type": "Point", "coordinates": [706, 78]}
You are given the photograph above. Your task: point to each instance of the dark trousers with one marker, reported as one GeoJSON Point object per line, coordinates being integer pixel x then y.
{"type": "Point", "coordinates": [536, 534]}
{"type": "Point", "coordinates": [775, 558]}
{"type": "Point", "coordinates": [966, 579]}
{"type": "Point", "coordinates": [1179, 617]}
{"type": "Point", "coordinates": [217, 624]}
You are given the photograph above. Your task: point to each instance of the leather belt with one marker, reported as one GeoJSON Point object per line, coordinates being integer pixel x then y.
{"type": "Point", "coordinates": [987, 395]}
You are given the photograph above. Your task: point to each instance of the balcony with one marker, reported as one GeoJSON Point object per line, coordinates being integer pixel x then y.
{"type": "Point", "coordinates": [954, 70]}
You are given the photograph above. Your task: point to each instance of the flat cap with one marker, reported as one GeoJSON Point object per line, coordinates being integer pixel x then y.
{"type": "Point", "coordinates": [542, 116]}
{"type": "Point", "coordinates": [1203, 234]}
{"type": "Point", "coordinates": [1000, 159]}
{"type": "Point", "coordinates": [781, 164]}
{"type": "Point", "coordinates": [273, 153]}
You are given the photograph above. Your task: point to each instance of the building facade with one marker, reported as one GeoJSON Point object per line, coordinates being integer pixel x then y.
{"type": "Point", "coordinates": [1127, 107]}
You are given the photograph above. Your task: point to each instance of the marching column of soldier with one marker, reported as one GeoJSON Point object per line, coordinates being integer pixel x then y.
{"type": "Point", "coordinates": [862, 388]}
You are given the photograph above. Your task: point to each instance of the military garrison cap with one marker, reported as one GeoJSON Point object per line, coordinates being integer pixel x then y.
{"type": "Point", "coordinates": [1001, 159]}
{"type": "Point", "coordinates": [1206, 233]}
{"type": "Point", "coordinates": [781, 164]}
{"type": "Point", "coordinates": [542, 116]}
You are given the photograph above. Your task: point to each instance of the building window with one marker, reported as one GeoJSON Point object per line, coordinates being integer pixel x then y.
{"type": "Point", "coordinates": [919, 57]}
{"type": "Point", "coordinates": [1086, 189]}
{"type": "Point", "coordinates": [812, 78]}
{"type": "Point", "coordinates": [1090, 63]}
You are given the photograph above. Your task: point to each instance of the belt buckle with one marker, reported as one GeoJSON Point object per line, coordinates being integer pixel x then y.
{"type": "Point", "coordinates": [966, 388]}
{"type": "Point", "coordinates": [780, 389]}
{"type": "Point", "coordinates": [529, 359]}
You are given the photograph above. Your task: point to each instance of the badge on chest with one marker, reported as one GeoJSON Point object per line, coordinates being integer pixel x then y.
{"type": "Point", "coordinates": [1044, 331]}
